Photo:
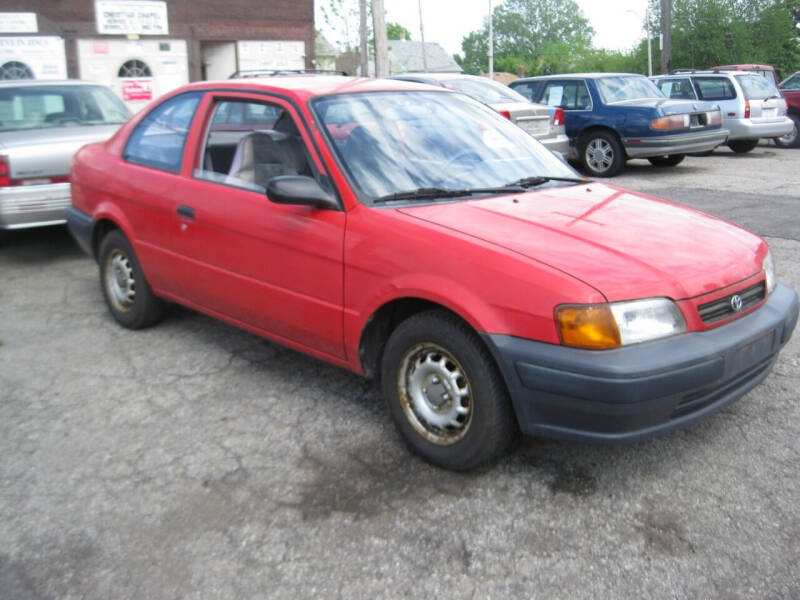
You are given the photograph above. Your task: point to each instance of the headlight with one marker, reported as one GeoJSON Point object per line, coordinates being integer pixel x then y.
{"type": "Point", "coordinates": [769, 271]}
{"type": "Point", "coordinates": [604, 326]}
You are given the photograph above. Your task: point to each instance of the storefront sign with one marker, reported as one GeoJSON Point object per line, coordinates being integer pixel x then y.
{"type": "Point", "coordinates": [18, 22]}
{"type": "Point", "coordinates": [137, 90]}
{"type": "Point", "coordinates": [43, 55]}
{"type": "Point", "coordinates": [131, 17]}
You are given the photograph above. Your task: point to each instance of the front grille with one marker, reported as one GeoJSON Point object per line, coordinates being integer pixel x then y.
{"type": "Point", "coordinates": [720, 309]}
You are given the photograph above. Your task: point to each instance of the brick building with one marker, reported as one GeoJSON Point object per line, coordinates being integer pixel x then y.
{"type": "Point", "coordinates": [144, 48]}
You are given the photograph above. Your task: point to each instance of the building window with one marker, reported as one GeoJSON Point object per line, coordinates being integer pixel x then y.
{"type": "Point", "coordinates": [15, 70]}
{"type": "Point", "coordinates": [134, 68]}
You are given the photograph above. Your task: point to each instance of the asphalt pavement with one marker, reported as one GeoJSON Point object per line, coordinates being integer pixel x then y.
{"type": "Point", "coordinates": [194, 460]}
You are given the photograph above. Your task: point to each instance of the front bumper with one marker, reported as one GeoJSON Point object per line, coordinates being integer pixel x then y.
{"type": "Point", "coordinates": [681, 143]}
{"type": "Point", "coordinates": [753, 129]}
{"type": "Point", "coordinates": [33, 205]}
{"type": "Point", "coordinates": [646, 389]}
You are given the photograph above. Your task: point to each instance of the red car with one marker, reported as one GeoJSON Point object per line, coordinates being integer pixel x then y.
{"type": "Point", "coordinates": [412, 234]}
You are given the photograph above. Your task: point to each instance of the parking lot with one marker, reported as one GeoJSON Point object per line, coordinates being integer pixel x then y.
{"type": "Point", "coordinates": [194, 460]}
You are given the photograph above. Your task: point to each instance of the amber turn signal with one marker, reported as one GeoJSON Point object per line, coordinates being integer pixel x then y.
{"type": "Point", "coordinates": [592, 327]}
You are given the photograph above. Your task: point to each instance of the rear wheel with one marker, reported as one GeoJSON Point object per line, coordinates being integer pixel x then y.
{"type": "Point", "coordinates": [666, 161]}
{"type": "Point", "coordinates": [742, 146]}
{"type": "Point", "coordinates": [792, 139]}
{"type": "Point", "coordinates": [445, 393]}
{"type": "Point", "coordinates": [601, 154]}
{"type": "Point", "coordinates": [125, 289]}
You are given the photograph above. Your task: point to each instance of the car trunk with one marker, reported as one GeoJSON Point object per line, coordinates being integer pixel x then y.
{"type": "Point", "coordinates": [536, 120]}
{"type": "Point", "coordinates": [43, 155]}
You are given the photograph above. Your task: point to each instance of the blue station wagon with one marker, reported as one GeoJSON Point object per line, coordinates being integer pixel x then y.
{"type": "Point", "coordinates": [613, 117]}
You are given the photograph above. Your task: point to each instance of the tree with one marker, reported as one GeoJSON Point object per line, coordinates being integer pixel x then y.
{"type": "Point", "coordinates": [706, 33]}
{"type": "Point", "coordinates": [540, 35]}
{"type": "Point", "coordinates": [395, 31]}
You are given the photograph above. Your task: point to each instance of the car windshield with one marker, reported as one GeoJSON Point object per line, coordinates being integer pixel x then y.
{"type": "Point", "coordinates": [488, 91]}
{"type": "Point", "coordinates": [627, 87]}
{"type": "Point", "coordinates": [397, 142]}
{"type": "Point", "coordinates": [45, 106]}
{"type": "Point", "coordinates": [756, 87]}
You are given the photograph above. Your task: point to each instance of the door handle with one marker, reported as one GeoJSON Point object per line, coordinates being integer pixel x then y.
{"type": "Point", "coordinates": [186, 211]}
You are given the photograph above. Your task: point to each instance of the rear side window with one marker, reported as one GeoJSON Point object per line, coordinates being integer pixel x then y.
{"type": "Point", "coordinates": [715, 88]}
{"type": "Point", "coordinates": [677, 88]}
{"type": "Point", "coordinates": [569, 95]}
{"type": "Point", "coordinates": [793, 83]}
{"type": "Point", "coordinates": [756, 87]}
{"type": "Point", "coordinates": [159, 139]}
{"type": "Point", "coordinates": [526, 89]}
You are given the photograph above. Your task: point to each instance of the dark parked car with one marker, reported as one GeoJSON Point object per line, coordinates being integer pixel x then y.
{"type": "Point", "coordinates": [790, 88]}
{"type": "Point", "coordinates": [613, 117]}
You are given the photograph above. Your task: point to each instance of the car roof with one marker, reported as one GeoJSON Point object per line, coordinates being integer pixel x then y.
{"type": "Point", "coordinates": [438, 76]}
{"type": "Point", "coordinates": [45, 82]}
{"type": "Point", "coordinates": [577, 76]}
{"type": "Point", "coordinates": [306, 86]}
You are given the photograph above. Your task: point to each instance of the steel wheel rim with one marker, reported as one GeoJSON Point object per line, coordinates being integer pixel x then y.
{"type": "Point", "coordinates": [435, 394]}
{"type": "Point", "coordinates": [599, 155]}
{"type": "Point", "coordinates": [120, 283]}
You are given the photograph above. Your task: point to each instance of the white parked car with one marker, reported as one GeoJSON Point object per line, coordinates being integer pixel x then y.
{"type": "Point", "coordinates": [42, 126]}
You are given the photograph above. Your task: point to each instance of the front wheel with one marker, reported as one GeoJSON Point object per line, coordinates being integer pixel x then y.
{"type": "Point", "coordinates": [601, 154]}
{"type": "Point", "coordinates": [791, 139]}
{"type": "Point", "coordinates": [445, 393]}
{"type": "Point", "coordinates": [742, 146]}
{"type": "Point", "coordinates": [129, 298]}
{"type": "Point", "coordinates": [666, 161]}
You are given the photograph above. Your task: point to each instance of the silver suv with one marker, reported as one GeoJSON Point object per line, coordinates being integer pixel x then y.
{"type": "Point", "coordinates": [752, 107]}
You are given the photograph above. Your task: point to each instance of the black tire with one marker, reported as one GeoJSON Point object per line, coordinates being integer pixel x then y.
{"type": "Point", "coordinates": [601, 154]}
{"type": "Point", "coordinates": [706, 153]}
{"type": "Point", "coordinates": [666, 161]}
{"type": "Point", "coordinates": [742, 146]}
{"type": "Point", "coordinates": [125, 289]}
{"type": "Point", "coordinates": [476, 422]}
{"type": "Point", "coordinates": [793, 139]}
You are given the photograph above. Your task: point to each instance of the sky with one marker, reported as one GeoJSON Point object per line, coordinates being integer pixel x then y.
{"type": "Point", "coordinates": [617, 23]}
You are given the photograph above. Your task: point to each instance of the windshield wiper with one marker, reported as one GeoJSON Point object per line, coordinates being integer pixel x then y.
{"type": "Point", "coordinates": [433, 193]}
{"type": "Point", "coordinates": [536, 180]}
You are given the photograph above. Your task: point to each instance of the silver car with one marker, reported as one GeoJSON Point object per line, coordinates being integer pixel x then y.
{"type": "Point", "coordinates": [542, 122]}
{"type": "Point", "coordinates": [752, 107]}
{"type": "Point", "coordinates": [42, 125]}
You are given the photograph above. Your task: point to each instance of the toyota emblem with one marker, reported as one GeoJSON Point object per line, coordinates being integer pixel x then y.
{"type": "Point", "coordinates": [736, 303]}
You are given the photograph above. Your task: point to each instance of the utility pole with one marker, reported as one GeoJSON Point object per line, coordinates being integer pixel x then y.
{"type": "Point", "coordinates": [422, 36]}
{"type": "Point", "coordinates": [491, 44]}
{"type": "Point", "coordinates": [363, 56]}
{"type": "Point", "coordinates": [381, 43]}
{"type": "Point", "coordinates": [666, 32]}
{"type": "Point", "coordinates": [649, 43]}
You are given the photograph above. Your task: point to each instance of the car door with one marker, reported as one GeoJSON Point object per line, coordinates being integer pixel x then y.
{"type": "Point", "coordinates": [573, 97]}
{"type": "Point", "coordinates": [719, 89]}
{"type": "Point", "coordinates": [277, 268]}
{"type": "Point", "coordinates": [149, 183]}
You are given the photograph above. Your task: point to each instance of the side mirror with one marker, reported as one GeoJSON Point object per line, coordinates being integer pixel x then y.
{"type": "Point", "coordinates": [300, 190]}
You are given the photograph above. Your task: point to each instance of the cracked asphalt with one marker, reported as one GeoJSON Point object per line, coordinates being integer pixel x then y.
{"type": "Point", "coordinates": [194, 460]}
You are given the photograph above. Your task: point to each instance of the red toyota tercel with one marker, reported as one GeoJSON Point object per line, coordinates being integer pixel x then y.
{"type": "Point", "coordinates": [410, 233]}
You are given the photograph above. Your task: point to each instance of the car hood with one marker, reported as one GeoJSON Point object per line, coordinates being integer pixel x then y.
{"type": "Point", "coordinates": [625, 245]}
{"type": "Point", "coordinates": [57, 135]}
{"type": "Point", "coordinates": [668, 106]}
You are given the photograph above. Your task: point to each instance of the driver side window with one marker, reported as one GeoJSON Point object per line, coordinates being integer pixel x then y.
{"type": "Point", "coordinates": [248, 143]}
